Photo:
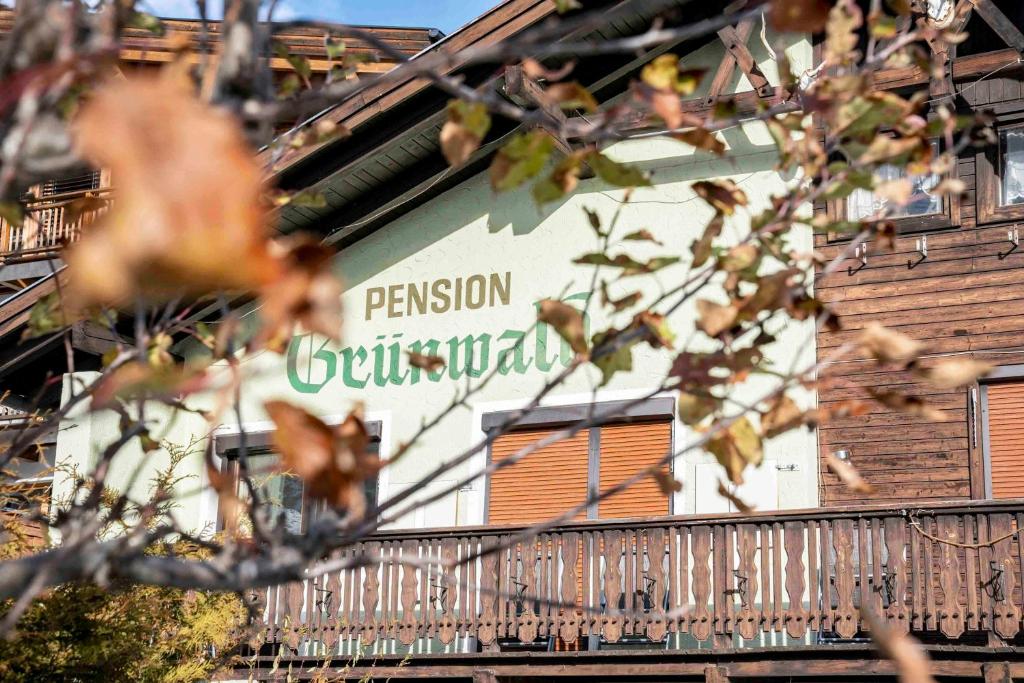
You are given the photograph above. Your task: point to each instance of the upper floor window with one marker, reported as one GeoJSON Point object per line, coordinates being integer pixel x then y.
{"type": "Point", "coordinates": [925, 209]}
{"type": "Point", "coordinates": [1011, 166]}
{"type": "Point", "coordinates": [1000, 172]}
{"type": "Point", "coordinates": [863, 204]}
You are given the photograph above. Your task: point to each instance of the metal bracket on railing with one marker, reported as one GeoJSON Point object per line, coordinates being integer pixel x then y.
{"type": "Point", "coordinates": [741, 587]}
{"type": "Point", "coordinates": [434, 597]}
{"type": "Point", "coordinates": [646, 592]}
{"type": "Point", "coordinates": [323, 599]}
{"type": "Point", "coordinates": [888, 587]}
{"type": "Point", "coordinates": [994, 586]}
{"type": "Point", "coordinates": [520, 598]}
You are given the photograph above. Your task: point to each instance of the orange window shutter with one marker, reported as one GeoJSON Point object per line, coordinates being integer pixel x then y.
{"type": "Point", "coordinates": [542, 485]}
{"type": "Point", "coordinates": [626, 449]}
{"type": "Point", "coordinates": [1006, 439]}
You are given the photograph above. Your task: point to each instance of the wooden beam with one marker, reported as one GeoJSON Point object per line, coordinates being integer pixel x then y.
{"type": "Point", "coordinates": [715, 674]}
{"type": "Point", "coordinates": [724, 72]}
{"type": "Point", "coordinates": [999, 23]}
{"type": "Point", "coordinates": [527, 92]}
{"type": "Point", "coordinates": [737, 47]}
{"type": "Point", "coordinates": [997, 672]}
{"type": "Point", "coordinates": [962, 16]}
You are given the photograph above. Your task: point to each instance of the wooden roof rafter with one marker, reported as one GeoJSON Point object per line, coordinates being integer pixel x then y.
{"type": "Point", "coordinates": [737, 54]}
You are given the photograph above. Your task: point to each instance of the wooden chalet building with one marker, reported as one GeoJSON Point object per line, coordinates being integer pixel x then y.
{"type": "Point", "coordinates": [643, 586]}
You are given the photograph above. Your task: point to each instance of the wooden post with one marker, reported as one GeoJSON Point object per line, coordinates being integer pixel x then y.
{"type": "Point", "coordinates": [718, 674]}
{"type": "Point", "coordinates": [998, 672]}
{"type": "Point", "coordinates": [484, 676]}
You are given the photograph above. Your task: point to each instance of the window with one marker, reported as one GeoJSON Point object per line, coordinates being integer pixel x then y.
{"type": "Point", "coordinates": [563, 474]}
{"type": "Point", "coordinates": [1000, 173]}
{"type": "Point", "coordinates": [925, 210]}
{"type": "Point", "coordinates": [1002, 405]}
{"type": "Point", "coordinates": [1011, 166]}
{"type": "Point", "coordinates": [282, 491]}
{"type": "Point", "coordinates": [863, 204]}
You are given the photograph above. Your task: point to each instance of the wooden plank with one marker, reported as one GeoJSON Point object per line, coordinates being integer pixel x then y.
{"type": "Point", "coordinates": [764, 543]}
{"type": "Point", "coordinates": [999, 23]}
{"type": "Point", "coordinates": [1005, 614]}
{"type": "Point", "coordinates": [929, 575]}
{"type": "Point", "coordinates": [747, 621]}
{"type": "Point", "coordinates": [569, 547]}
{"type": "Point", "coordinates": [612, 630]}
{"type": "Point", "coordinates": [816, 576]}
{"type": "Point", "coordinates": [702, 624]}
{"type": "Point", "coordinates": [896, 580]}
{"type": "Point", "coordinates": [656, 622]}
{"type": "Point", "coordinates": [951, 616]}
{"type": "Point", "coordinates": [736, 46]}
{"type": "Point", "coordinates": [827, 575]}
{"type": "Point", "coordinates": [487, 624]}
{"type": "Point", "coordinates": [796, 615]}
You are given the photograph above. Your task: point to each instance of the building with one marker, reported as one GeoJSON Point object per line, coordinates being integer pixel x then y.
{"type": "Point", "coordinates": [674, 587]}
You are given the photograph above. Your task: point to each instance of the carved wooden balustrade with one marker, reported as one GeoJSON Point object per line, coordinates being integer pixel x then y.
{"type": "Point", "coordinates": [50, 223]}
{"type": "Point", "coordinates": [951, 571]}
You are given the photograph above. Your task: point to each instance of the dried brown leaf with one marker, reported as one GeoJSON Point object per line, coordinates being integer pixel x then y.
{"type": "Point", "coordinates": [425, 362]}
{"type": "Point", "coordinates": [906, 653]}
{"type": "Point", "coordinates": [740, 504]}
{"type": "Point", "coordinates": [188, 215]}
{"type": "Point", "coordinates": [848, 474]}
{"type": "Point", "coordinates": [911, 405]}
{"type": "Point", "coordinates": [955, 372]}
{"type": "Point", "coordinates": [567, 321]}
{"type": "Point", "coordinates": [714, 318]}
{"type": "Point", "coordinates": [332, 462]}
{"type": "Point", "coordinates": [889, 346]}
{"type": "Point", "coordinates": [667, 484]}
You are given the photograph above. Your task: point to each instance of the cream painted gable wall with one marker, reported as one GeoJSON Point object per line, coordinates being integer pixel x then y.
{"type": "Point", "coordinates": [470, 231]}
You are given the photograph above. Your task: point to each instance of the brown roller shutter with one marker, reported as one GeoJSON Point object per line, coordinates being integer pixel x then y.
{"type": "Point", "coordinates": [541, 485]}
{"type": "Point", "coordinates": [1006, 439]}
{"type": "Point", "coordinates": [625, 449]}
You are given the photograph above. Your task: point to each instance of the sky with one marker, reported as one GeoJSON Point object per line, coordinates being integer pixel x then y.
{"type": "Point", "coordinates": [447, 15]}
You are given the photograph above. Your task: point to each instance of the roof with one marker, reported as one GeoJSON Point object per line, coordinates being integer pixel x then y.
{"type": "Point", "coordinates": [392, 160]}
{"type": "Point", "coordinates": [144, 47]}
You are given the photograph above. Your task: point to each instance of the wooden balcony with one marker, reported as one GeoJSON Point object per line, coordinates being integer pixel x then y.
{"type": "Point", "coordinates": [950, 574]}
{"type": "Point", "coordinates": [50, 223]}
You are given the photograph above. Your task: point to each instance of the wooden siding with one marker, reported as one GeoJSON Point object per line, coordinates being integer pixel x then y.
{"type": "Point", "coordinates": [963, 300]}
{"type": "Point", "coordinates": [1006, 439]}
{"type": "Point", "coordinates": [625, 449]}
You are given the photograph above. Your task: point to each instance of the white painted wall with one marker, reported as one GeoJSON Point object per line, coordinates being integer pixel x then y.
{"type": "Point", "coordinates": [469, 230]}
